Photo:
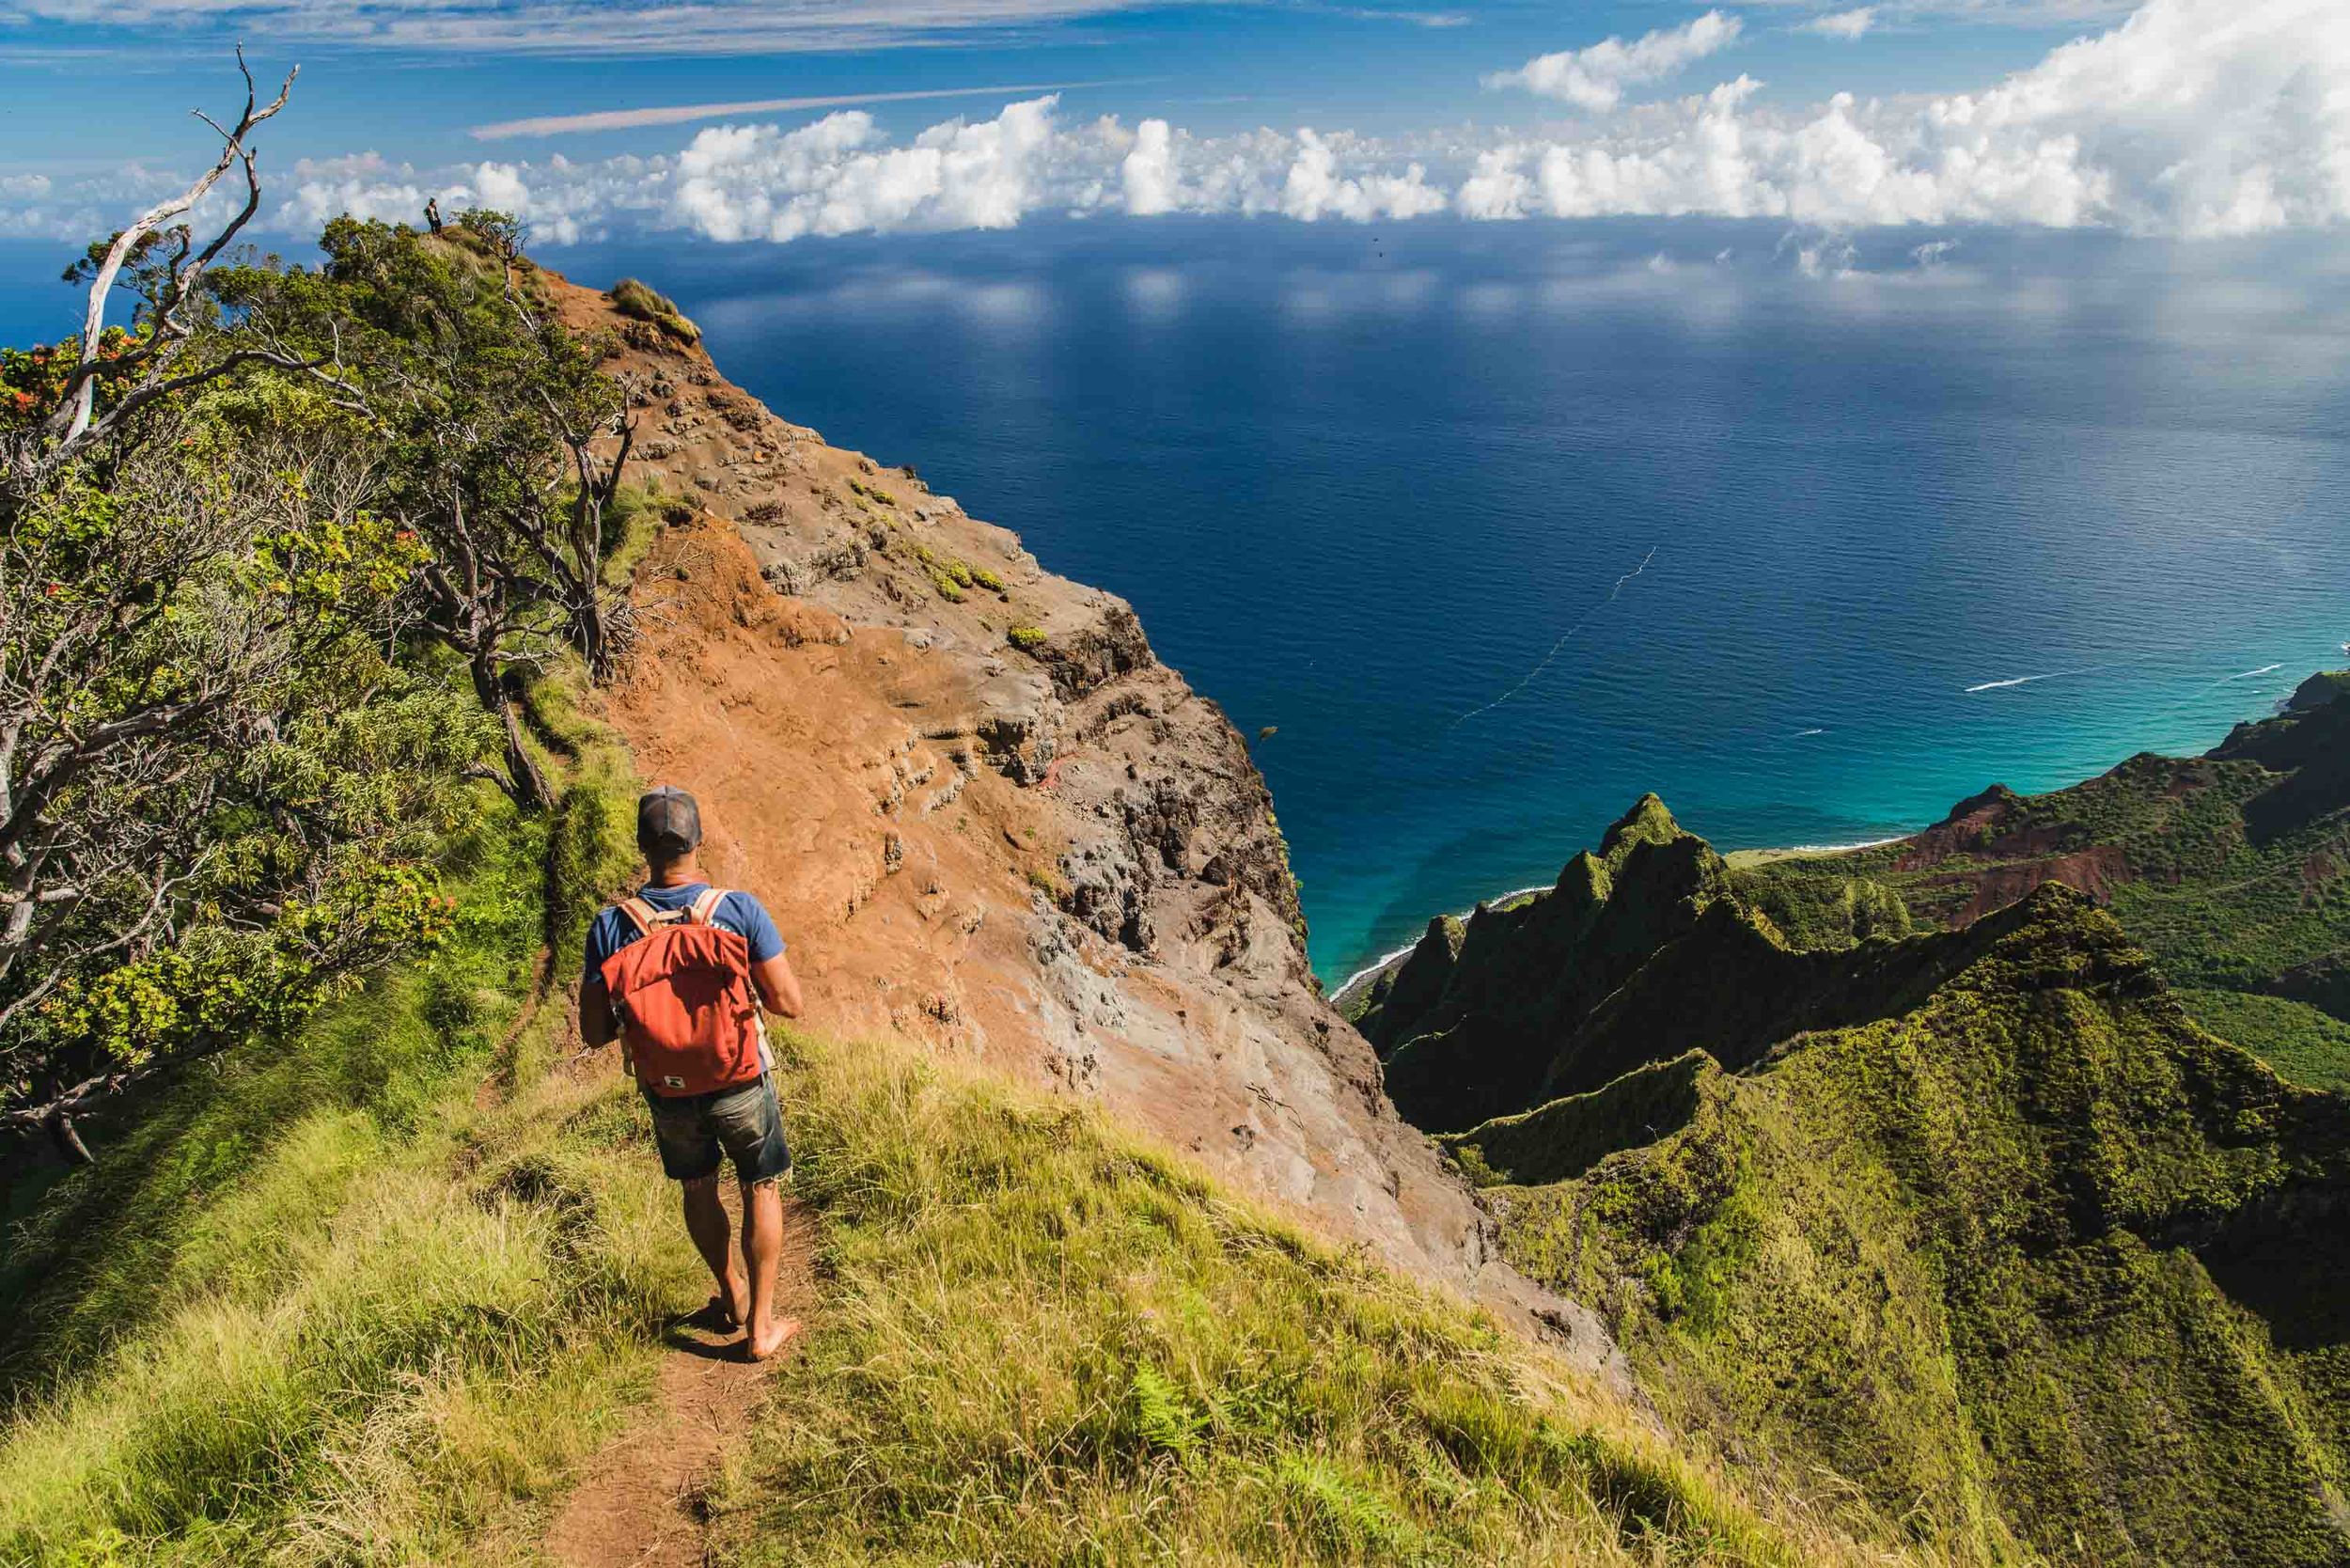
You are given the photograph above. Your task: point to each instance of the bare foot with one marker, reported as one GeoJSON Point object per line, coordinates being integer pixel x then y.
{"type": "Point", "coordinates": [780, 1333]}
{"type": "Point", "coordinates": [729, 1304]}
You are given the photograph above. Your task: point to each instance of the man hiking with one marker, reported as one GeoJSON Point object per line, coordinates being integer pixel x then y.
{"type": "Point", "coordinates": [679, 973]}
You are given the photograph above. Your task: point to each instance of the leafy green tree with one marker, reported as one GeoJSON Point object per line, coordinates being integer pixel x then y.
{"type": "Point", "coordinates": [276, 558]}
{"type": "Point", "coordinates": [217, 787]}
{"type": "Point", "coordinates": [230, 758]}
{"type": "Point", "coordinates": [506, 443]}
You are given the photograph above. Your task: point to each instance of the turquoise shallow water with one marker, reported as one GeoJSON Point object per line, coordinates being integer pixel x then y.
{"type": "Point", "coordinates": [1906, 533]}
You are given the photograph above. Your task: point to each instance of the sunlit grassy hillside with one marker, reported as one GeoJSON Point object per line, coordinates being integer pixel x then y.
{"type": "Point", "coordinates": [371, 1295]}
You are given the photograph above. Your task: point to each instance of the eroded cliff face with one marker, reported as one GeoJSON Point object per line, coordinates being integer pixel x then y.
{"type": "Point", "coordinates": [989, 819]}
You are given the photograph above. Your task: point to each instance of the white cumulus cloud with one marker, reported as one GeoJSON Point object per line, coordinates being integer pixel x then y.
{"type": "Point", "coordinates": [1314, 187]}
{"type": "Point", "coordinates": [1147, 173]}
{"type": "Point", "coordinates": [1596, 78]}
{"type": "Point", "coordinates": [2194, 117]}
{"type": "Point", "coordinates": [835, 177]}
{"type": "Point", "coordinates": [1841, 25]}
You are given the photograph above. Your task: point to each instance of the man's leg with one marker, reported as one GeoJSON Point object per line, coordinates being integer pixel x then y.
{"type": "Point", "coordinates": [706, 1222]}
{"type": "Point", "coordinates": [763, 1246]}
{"type": "Point", "coordinates": [749, 1125]}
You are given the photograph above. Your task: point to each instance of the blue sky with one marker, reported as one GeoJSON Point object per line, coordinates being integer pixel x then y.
{"type": "Point", "coordinates": [1373, 67]}
{"type": "Point", "coordinates": [2191, 118]}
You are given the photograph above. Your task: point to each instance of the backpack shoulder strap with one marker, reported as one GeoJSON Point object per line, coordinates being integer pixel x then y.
{"type": "Point", "coordinates": [639, 914]}
{"type": "Point", "coordinates": [705, 908]}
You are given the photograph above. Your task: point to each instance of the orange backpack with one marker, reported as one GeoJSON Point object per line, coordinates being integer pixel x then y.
{"type": "Point", "coordinates": [688, 1017]}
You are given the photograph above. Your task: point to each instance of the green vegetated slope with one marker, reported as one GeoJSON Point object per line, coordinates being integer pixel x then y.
{"type": "Point", "coordinates": [360, 1293]}
{"type": "Point", "coordinates": [1978, 1221]}
{"type": "Point", "coordinates": [1520, 1005]}
{"type": "Point", "coordinates": [2232, 869]}
{"type": "Point", "coordinates": [373, 1294]}
{"type": "Point", "coordinates": [1041, 1342]}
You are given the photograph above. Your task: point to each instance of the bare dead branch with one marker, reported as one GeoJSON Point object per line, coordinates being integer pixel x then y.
{"type": "Point", "coordinates": [71, 420]}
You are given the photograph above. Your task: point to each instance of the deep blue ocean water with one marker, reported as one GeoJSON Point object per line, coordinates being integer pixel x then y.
{"type": "Point", "coordinates": [1906, 533]}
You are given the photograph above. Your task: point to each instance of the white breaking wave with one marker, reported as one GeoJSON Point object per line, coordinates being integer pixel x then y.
{"type": "Point", "coordinates": [1802, 733]}
{"type": "Point", "coordinates": [2247, 675]}
{"type": "Point", "coordinates": [2016, 681]}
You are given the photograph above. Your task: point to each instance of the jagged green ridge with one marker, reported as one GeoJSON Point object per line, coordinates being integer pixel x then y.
{"type": "Point", "coordinates": [1980, 1221]}
{"type": "Point", "coordinates": [2037, 1255]}
{"type": "Point", "coordinates": [2232, 869]}
{"type": "Point", "coordinates": [1639, 953]}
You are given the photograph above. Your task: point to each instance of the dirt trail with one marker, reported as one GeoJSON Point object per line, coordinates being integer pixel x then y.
{"type": "Point", "coordinates": [638, 1503]}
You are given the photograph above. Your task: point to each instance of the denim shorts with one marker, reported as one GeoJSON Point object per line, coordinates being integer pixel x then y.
{"type": "Point", "coordinates": [695, 1132]}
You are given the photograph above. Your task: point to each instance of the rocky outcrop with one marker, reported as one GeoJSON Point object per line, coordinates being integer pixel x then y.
{"type": "Point", "coordinates": [989, 819]}
{"type": "Point", "coordinates": [2318, 690]}
{"type": "Point", "coordinates": [1477, 1028]}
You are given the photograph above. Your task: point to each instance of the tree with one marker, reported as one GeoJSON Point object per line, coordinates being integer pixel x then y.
{"type": "Point", "coordinates": [161, 354]}
{"type": "Point", "coordinates": [240, 538]}
{"type": "Point", "coordinates": [207, 763]}
{"type": "Point", "coordinates": [224, 771]}
{"type": "Point", "coordinates": [496, 419]}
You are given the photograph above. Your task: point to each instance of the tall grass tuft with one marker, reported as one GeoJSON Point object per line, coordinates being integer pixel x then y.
{"type": "Point", "coordinates": [639, 301]}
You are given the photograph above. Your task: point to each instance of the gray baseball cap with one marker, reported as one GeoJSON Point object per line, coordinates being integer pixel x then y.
{"type": "Point", "coordinates": [668, 821]}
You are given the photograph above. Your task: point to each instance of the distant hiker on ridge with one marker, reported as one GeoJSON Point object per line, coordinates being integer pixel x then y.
{"type": "Point", "coordinates": [678, 973]}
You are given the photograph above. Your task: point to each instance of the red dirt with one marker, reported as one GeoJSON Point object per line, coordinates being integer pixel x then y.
{"type": "Point", "coordinates": [637, 1504]}
{"type": "Point", "coordinates": [988, 821]}
{"type": "Point", "coordinates": [2095, 872]}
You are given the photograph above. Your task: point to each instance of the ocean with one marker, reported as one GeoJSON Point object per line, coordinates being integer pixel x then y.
{"type": "Point", "coordinates": [1501, 526]}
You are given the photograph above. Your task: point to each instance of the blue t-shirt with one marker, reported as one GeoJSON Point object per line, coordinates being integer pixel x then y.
{"type": "Point", "coordinates": [737, 912]}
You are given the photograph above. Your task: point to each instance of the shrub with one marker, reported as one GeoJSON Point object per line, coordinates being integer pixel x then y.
{"type": "Point", "coordinates": [1026, 638]}
{"type": "Point", "coordinates": [634, 299]}
{"type": "Point", "coordinates": [381, 1284]}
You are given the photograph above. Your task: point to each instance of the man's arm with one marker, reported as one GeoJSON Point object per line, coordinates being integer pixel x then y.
{"type": "Point", "coordinates": [778, 987]}
{"type": "Point", "coordinates": [597, 1022]}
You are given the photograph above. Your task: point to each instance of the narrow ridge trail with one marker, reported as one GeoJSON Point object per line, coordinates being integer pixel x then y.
{"type": "Point", "coordinates": [639, 1501]}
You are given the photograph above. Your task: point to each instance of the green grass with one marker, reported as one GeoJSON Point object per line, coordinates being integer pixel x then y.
{"type": "Point", "coordinates": [330, 1299]}
{"type": "Point", "coordinates": [1041, 1341]}
{"type": "Point", "coordinates": [2302, 1043]}
{"type": "Point", "coordinates": [635, 300]}
{"type": "Point", "coordinates": [631, 522]}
